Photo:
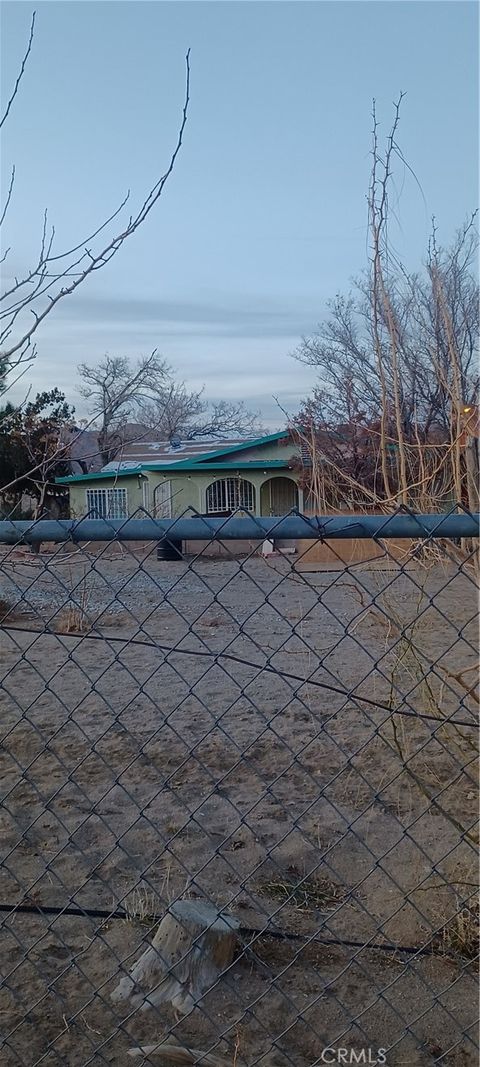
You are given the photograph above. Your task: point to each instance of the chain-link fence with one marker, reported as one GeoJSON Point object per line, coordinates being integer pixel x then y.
{"type": "Point", "coordinates": [239, 791]}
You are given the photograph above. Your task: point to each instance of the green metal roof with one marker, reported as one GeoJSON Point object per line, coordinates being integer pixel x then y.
{"type": "Point", "coordinates": [98, 474]}
{"type": "Point", "coordinates": [186, 465]}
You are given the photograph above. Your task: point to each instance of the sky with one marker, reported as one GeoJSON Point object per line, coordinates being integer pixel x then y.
{"type": "Point", "coordinates": [264, 218]}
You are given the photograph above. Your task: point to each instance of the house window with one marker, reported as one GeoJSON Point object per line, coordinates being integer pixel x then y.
{"type": "Point", "coordinates": [229, 494]}
{"type": "Point", "coordinates": [107, 503]}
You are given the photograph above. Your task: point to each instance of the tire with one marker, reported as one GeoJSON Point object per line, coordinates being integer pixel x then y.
{"type": "Point", "coordinates": [169, 549]}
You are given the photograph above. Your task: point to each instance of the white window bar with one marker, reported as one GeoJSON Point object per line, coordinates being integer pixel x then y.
{"type": "Point", "coordinates": [229, 494]}
{"type": "Point", "coordinates": [107, 503]}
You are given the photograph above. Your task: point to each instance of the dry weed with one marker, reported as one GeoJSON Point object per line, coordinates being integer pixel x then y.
{"type": "Point", "coordinates": [460, 934]}
{"type": "Point", "coordinates": [147, 906]}
{"type": "Point", "coordinates": [304, 892]}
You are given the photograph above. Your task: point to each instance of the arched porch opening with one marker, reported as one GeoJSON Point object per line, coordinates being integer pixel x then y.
{"type": "Point", "coordinates": [278, 495]}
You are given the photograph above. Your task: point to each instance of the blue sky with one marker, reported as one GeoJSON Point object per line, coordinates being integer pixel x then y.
{"type": "Point", "coordinates": [264, 218]}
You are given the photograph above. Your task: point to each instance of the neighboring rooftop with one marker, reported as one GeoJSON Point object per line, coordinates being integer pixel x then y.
{"type": "Point", "coordinates": [136, 453]}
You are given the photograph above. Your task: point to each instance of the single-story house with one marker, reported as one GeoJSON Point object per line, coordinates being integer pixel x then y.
{"type": "Point", "coordinates": [166, 479]}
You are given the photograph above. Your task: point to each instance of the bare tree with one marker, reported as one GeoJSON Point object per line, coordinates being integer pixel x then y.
{"type": "Point", "coordinates": [398, 367]}
{"type": "Point", "coordinates": [56, 274]}
{"type": "Point", "coordinates": [342, 348]}
{"type": "Point", "coordinates": [177, 411]}
{"type": "Point", "coordinates": [116, 389]}
{"type": "Point", "coordinates": [143, 400]}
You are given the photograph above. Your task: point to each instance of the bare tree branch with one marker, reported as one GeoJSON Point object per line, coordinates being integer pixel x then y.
{"type": "Point", "coordinates": [20, 73]}
{"type": "Point", "coordinates": [176, 410]}
{"type": "Point", "coordinates": [9, 197]}
{"type": "Point", "coordinates": [55, 276]}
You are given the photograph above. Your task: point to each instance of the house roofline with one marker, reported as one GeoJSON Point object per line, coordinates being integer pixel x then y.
{"type": "Point", "coordinates": [246, 465]}
{"type": "Point", "coordinates": [94, 475]}
{"type": "Point", "coordinates": [254, 442]}
{"type": "Point", "coordinates": [268, 464]}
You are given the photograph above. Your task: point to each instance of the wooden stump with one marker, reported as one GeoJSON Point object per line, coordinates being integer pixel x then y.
{"type": "Point", "coordinates": [194, 943]}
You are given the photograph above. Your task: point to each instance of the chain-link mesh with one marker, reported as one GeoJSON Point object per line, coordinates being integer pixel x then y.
{"type": "Point", "coordinates": [270, 744]}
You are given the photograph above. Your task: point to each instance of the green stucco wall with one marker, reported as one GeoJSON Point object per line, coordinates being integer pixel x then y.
{"type": "Point", "coordinates": [273, 450]}
{"type": "Point", "coordinates": [78, 494]}
{"type": "Point", "coordinates": [188, 490]}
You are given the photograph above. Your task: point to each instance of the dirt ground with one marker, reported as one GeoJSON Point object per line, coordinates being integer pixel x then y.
{"type": "Point", "coordinates": [143, 759]}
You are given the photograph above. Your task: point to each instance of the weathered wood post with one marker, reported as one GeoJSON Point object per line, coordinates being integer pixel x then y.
{"type": "Point", "coordinates": [194, 943]}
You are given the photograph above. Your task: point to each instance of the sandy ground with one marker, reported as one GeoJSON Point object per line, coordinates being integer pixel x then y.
{"type": "Point", "coordinates": [139, 763]}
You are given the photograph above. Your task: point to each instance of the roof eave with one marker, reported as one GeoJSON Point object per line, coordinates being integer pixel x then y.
{"type": "Point", "coordinates": [95, 475]}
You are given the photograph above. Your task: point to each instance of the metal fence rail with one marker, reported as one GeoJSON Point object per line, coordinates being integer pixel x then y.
{"type": "Point", "coordinates": [239, 819]}
{"type": "Point", "coordinates": [401, 524]}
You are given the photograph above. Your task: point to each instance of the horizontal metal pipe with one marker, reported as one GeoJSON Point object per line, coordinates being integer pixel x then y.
{"type": "Point", "coordinates": [249, 528]}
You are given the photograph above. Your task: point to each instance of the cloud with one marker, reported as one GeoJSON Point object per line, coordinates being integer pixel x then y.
{"type": "Point", "coordinates": [235, 348]}
{"type": "Point", "coordinates": [174, 318]}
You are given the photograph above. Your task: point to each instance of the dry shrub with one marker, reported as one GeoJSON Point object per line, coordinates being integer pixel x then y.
{"type": "Point", "coordinates": [74, 620]}
{"type": "Point", "coordinates": [304, 892]}
{"type": "Point", "coordinates": [460, 934]}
